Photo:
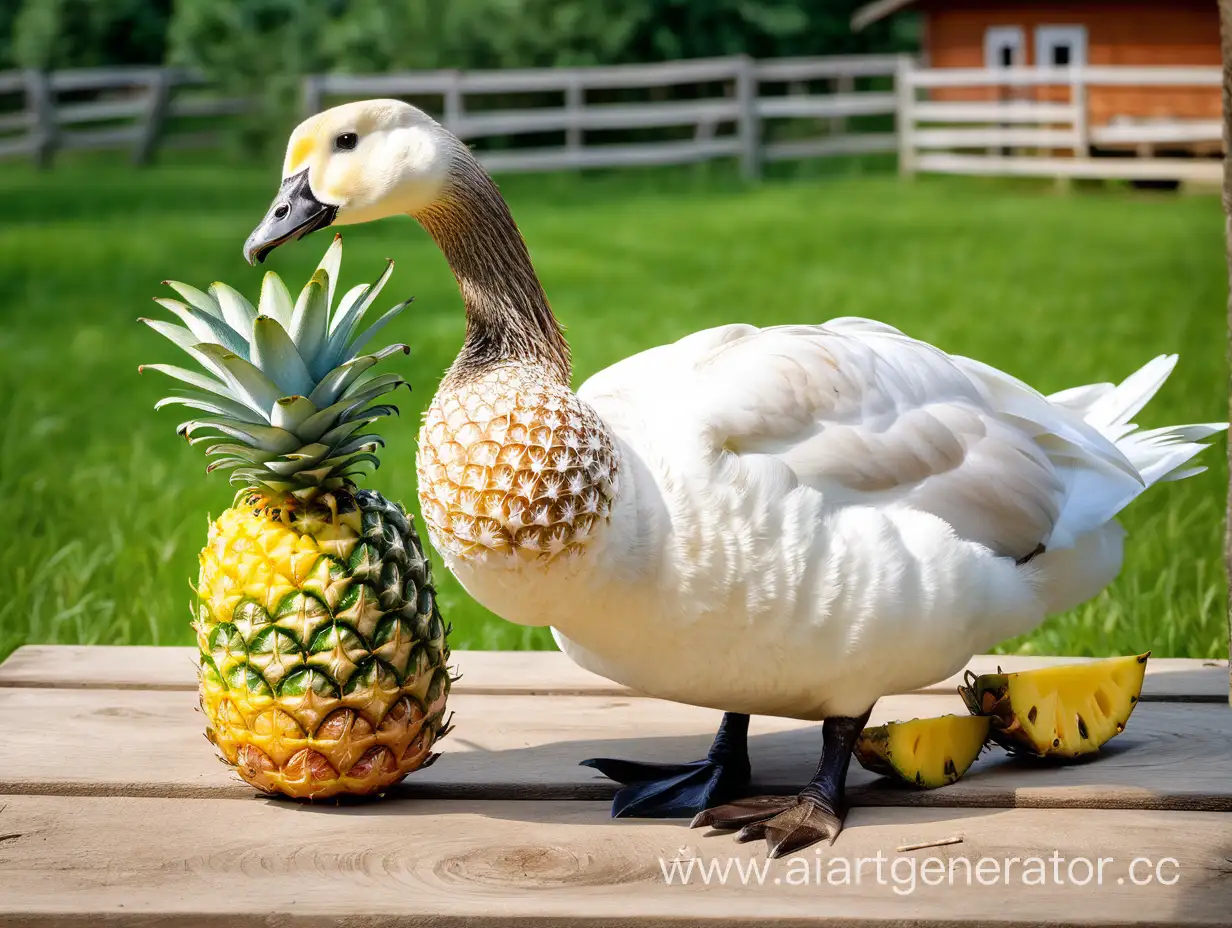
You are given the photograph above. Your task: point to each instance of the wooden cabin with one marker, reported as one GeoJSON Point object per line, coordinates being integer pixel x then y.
{"type": "Point", "coordinates": [1059, 33]}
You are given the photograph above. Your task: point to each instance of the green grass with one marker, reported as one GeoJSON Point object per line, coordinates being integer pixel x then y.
{"type": "Point", "coordinates": [104, 508]}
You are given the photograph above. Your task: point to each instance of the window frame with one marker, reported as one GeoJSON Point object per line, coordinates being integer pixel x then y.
{"type": "Point", "coordinates": [1050, 36]}
{"type": "Point", "coordinates": [998, 37]}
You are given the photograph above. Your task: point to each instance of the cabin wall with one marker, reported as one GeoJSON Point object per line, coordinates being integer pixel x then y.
{"type": "Point", "coordinates": [1127, 32]}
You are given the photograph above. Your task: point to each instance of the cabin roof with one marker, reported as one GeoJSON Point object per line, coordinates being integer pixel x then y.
{"type": "Point", "coordinates": [878, 9]}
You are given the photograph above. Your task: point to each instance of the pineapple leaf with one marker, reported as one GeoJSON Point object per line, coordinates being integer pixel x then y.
{"type": "Point", "coordinates": [290, 413]}
{"type": "Point", "coordinates": [236, 310]}
{"type": "Point", "coordinates": [354, 349]}
{"type": "Point", "coordinates": [206, 327]}
{"type": "Point", "coordinates": [198, 298]}
{"type": "Point", "coordinates": [310, 318]}
{"type": "Point", "coordinates": [259, 476]}
{"type": "Point", "coordinates": [248, 382]}
{"type": "Point", "coordinates": [346, 322]}
{"type": "Point", "coordinates": [193, 379]}
{"type": "Point", "coordinates": [243, 452]}
{"type": "Point", "coordinates": [331, 264]}
{"type": "Point", "coordinates": [275, 353]}
{"type": "Point", "coordinates": [267, 438]}
{"type": "Point", "coordinates": [275, 299]}
{"type": "Point", "coordinates": [212, 404]}
{"type": "Point", "coordinates": [344, 306]}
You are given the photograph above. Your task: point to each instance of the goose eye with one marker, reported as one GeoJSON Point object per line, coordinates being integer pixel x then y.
{"type": "Point", "coordinates": [346, 142]}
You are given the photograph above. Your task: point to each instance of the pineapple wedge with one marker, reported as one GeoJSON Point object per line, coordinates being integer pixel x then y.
{"type": "Point", "coordinates": [923, 752]}
{"type": "Point", "coordinates": [1065, 711]}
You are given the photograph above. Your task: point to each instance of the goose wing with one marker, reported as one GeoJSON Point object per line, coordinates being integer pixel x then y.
{"type": "Point", "coordinates": [870, 417]}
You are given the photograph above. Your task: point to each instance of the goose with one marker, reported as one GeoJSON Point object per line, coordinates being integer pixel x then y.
{"type": "Point", "coordinates": [788, 521]}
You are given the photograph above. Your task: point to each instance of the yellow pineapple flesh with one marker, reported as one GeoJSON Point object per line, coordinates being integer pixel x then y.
{"type": "Point", "coordinates": [1065, 711]}
{"type": "Point", "coordinates": [923, 752]}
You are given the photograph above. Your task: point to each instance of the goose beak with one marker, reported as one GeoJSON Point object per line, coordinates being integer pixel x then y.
{"type": "Point", "coordinates": [294, 213]}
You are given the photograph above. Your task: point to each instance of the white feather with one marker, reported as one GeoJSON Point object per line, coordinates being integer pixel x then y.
{"type": "Point", "coordinates": [811, 517]}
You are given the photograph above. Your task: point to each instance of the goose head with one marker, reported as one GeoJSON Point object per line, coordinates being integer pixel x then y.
{"type": "Point", "coordinates": [356, 163]}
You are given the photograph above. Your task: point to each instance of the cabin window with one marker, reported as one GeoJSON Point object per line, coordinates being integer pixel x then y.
{"type": "Point", "coordinates": [1060, 46]}
{"type": "Point", "coordinates": [1004, 47]}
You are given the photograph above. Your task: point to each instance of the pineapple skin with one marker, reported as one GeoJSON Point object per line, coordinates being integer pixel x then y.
{"type": "Point", "coordinates": [323, 664]}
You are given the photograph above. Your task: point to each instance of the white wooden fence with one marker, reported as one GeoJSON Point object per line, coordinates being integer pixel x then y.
{"type": "Point", "coordinates": [730, 113]}
{"type": "Point", "coordinates": [1024, 121]}
{"type": "Point", "coordinates": [1035, 122]}
{"type": "Point", "coordinates": [129, 108]}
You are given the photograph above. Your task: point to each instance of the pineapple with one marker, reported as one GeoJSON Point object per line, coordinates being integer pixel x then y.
{"type": "Point", "coordinates": [923, 752]}
{"type": "Point", "coordinates": [322, 651]}
{"type": "Point", "coordinates": [1064, 711]}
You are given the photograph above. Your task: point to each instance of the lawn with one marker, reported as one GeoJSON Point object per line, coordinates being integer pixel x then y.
{"type": "Point", "coordinates": [106, 508]}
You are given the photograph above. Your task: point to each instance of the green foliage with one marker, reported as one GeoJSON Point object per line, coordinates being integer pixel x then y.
{"type": "Point", "coordinates": [53, 34]}
{"type": "Point", "coordinates": [105, 507]}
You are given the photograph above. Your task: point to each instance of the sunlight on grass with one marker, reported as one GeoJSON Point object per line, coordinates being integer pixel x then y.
{"type": "Point", "coordinates": [106, 508]}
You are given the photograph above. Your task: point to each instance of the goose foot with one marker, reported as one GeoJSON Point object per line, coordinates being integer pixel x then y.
{"type": "Point", "coordinates": [682, 790]}
{"type": "Point", "coordinates": [790, 823]}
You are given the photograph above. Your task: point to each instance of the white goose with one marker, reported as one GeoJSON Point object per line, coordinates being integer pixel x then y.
{"type": "Point", "coordinates": [788, 521]}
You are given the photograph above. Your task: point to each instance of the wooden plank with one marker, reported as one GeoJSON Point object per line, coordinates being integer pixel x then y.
{"type": "Point", "coordinates": [830, 66]}
{"type": "Point", "coordinates": [1157, 133]}
{"type": "Point", "coordinates": [100, 138]}
{"type": "Point", "coordinates": [603, 116]}
{"type": "Point", "coordinates": [608, 156]}
{"type": "Point", "coordinates": [238, 864]}
{"type": "Point", "coordinates": [99, 110]}
{"type": "Point", "coordinates": [100, 78]}
{"type": "Point", "coordinates": [820, 106]}
{"type": "Point", "coordinates": [12, 81]}
{"type": "Point", "coordinates": [525, 673]}
{"type": "Point", "coordinates": [16, 146]}
{"type": "Point", "coordinates": [1184, 169]}
{"type": "Point", "coordinates": [1104, 76]}
{"type": "Point", "coordinates": [207, 106]}
{"type": "Point", "coordinates": [857, 143]}
{"type": "Point", "coordinates": [993, 136]}
{"type": "Point", "coordinates": [145, 743]}
{"type": "Point", "coordinates": [1024, 111]}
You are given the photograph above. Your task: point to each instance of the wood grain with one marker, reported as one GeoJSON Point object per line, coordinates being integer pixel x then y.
{"type": "Point", "coordinates": [512, 672]}
{"type": "Point", "coordinates": [81, 861]}
{"type": "Point", "coordinates": [144, 743]}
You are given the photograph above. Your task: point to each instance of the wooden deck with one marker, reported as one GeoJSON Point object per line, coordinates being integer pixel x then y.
{"type": "Point", "coordinates": [113, 810]}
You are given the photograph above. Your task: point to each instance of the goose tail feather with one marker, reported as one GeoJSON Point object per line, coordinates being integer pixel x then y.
{"type": "Point", "coordinates": [1158, 455]}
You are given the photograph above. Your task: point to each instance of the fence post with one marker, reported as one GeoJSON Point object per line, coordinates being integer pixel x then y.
{"type": "Point", "coordinates": [1082, 120]}
{"type": "Point", "coordinates": [749, 122]}
{"type": "Point", "coordinates": [575, 103]}
{"type": "Point", "coordinates": [843, 84]}
{"type": "Point", "coordinates": [312, 93]}
{"type": "Point", "coordinates": [159, 90]}
{"type": "Point", "coordinates": [905, 117]}
{"type": "Point", "coordinates": [455, 111]}
{"type": "Point", "coordinates": [42, 109]}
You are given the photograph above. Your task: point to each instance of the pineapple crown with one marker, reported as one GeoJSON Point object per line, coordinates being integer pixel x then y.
{"type": "Point", "coordinates": [288, 389]}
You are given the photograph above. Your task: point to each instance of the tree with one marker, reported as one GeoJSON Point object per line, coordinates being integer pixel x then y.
{"type": "Point", "coordinates": [1225, 32]}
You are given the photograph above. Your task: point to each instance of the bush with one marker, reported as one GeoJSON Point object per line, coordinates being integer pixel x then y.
{"type": "Point", "coordinates": [52, 34]}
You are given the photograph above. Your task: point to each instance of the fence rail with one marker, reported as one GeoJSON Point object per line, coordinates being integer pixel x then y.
{"type": "Point", "coordinates": [1010, 122]}
{"type": "Point", "coordinates": [1013, 121]}
{"type": "Point", "coordinates": [131, 108]}
{"type": "Point", "coordinates": [730, 114]}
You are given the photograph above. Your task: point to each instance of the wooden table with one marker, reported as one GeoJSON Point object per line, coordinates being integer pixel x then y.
{"type": "Point", "coordinates": [113, 810]}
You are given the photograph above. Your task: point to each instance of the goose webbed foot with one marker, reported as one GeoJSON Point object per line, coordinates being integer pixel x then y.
{"type": "Point", "coordinates": [816, 813]}
{"type": "Point", "coordinates": [682, 790]}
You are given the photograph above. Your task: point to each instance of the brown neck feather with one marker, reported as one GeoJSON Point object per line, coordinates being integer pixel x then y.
{"type": "Point", "coordinates": [507, 313]}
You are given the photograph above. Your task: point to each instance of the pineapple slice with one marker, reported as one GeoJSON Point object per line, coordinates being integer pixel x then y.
{"type": "Point", "coordinates": [1065, 711]}
{"type": "Point", "coordinates": [923, 752]}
